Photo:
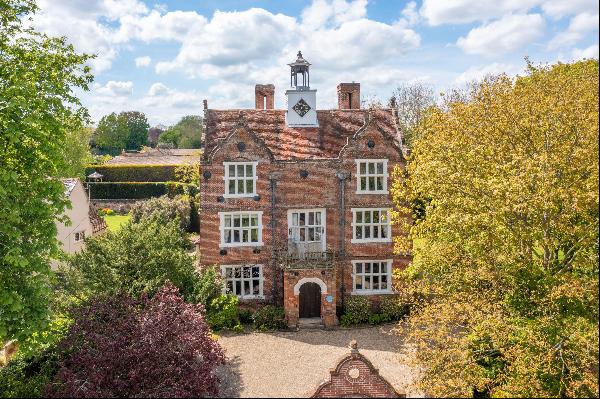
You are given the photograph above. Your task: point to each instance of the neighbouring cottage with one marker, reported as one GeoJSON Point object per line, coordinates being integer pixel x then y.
{"type": "Point", "coordinates": [296, 202]}
{"type": "Point", "coordinates": [84, 221]}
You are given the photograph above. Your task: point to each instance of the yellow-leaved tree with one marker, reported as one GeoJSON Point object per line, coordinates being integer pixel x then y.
{"type": "Point", "coordinates": [504, 279]}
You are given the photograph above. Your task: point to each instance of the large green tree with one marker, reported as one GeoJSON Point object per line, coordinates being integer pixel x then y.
{"type": "Point", "coordinates": [76, 152]}
{"type": "Point", "coordinates": [123, 131]}
{"type": "Point", "coordinates": [505, 272]}
{"type": "Point", "coordinates": [38, 75]}
{"type": "Point", "coordinates": [187, 133]}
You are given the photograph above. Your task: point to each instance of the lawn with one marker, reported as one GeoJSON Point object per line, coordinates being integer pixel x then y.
{"type": "Point", "coordinates": [114, 222]}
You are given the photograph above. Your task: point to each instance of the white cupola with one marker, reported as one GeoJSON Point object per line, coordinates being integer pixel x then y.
{"type": "Point", "coordinates": [301, 100]}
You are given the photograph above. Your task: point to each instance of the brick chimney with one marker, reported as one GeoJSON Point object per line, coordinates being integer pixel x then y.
{"type": "Point", "coordinates": [348, 95]}
{"type": "Point", "coordinates": [264, 96]}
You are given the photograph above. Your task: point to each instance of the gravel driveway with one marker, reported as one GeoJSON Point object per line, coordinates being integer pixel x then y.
{"type": "Point", "coordinates": [293, 364]}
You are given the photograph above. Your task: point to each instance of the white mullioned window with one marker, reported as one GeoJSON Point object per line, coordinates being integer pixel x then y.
{"type": "Point", "coordinates": [240, 179]}
{"type": "Point", "coordinates": [371, 176]}
{"type": "Point", "coordinates": [241, 229]}
{"type": "Point", "coordinates": [307, 227]}
{"type": "Point", "coordinates": [244, 281]}
{"type": "Point", "coordinates": [371, 225]}
{"type": "Point", "coordinates": [372, 276]}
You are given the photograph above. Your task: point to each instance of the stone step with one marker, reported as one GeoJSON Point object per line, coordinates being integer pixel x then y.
{"type": "Point", "coordinates": [310, 323]}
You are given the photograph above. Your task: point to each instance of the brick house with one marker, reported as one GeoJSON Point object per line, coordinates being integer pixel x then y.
{"type": "Point", "coordinates": [295, 202]}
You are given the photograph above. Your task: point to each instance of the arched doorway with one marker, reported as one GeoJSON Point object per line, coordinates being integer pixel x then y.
{"type": "Point", "coordinates": [310, 300]}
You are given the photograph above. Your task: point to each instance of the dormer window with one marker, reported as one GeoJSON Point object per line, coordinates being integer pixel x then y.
{"type": "Point", "coordinates": [240, 179]}
{"type": "Point", "coordinates": [371, 176]}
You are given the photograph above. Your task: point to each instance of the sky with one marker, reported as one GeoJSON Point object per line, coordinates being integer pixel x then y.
{"type": "Point", "coordinates": [164, 57]}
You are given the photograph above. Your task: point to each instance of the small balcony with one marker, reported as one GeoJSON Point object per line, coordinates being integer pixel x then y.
{"type": "Point", "coordinates": [301, 255]}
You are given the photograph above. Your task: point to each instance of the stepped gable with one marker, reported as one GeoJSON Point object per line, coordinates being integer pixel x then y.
{"type": "Point", "coordinates": [294, 143]}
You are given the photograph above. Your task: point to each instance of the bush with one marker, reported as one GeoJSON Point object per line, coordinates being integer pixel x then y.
{"type": "Point", "coordinates": [246, 316]}
{"type": "Point", "coordinates": [209, 286]}
{"type": "Point", "coordinates": [269, 317]}
{"type": "Point", "coordinates": [139, 257]}
{"type": "Point", "coordinates": [223, 313]}
{"type": "Point", "coordinates": [121, 347]}
{"type": "Point", "coordinates": [27, 377]}
{"type": "Point", "coordinates": [393, 307]}
{"type": "Point", "coordinates": [163, 210]}
{"type": "Point", "coordinates": [139, 190]}
{"type": "Point", "coordinates": [358, 310]}
{"type": "Point", "coordinates": [134, 173]}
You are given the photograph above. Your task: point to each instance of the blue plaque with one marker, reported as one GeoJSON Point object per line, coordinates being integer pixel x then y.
{"type": "Point", "coordinates": [329, 298]}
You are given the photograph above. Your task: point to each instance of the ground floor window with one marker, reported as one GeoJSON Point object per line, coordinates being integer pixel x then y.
{"type": "Point", "coordinates": [79, 236]}
{"type": "Point", "coordinates": [372, 276]}
{"type": "Point", "coordinates": [244, 281]}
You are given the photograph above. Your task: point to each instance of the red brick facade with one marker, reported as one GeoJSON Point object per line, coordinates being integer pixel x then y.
{"type": "Point", "coordinates": [355, 377]}
{"type": "Point", "coordinates": [297, 169]}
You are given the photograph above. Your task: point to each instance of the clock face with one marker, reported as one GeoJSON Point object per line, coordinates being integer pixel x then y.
{"type": "Point", "coordinates": [301, 107]}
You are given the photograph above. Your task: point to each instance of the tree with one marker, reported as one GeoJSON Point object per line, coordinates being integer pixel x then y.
{"type": "Point", "coordinates": [138, 126]}
{"type": "Point", "coordinates": [38, 75]}
{"type": "Point", "coordinates": [76, 152]}
{"type": "Point", "coordinates": [187, 133]}
{"type": "Point", "coordinates": [125, 131]}
{"type": "Point", "coordinates": [504, 279]}
{"type": "Point", "coordinates": [411, 102]}
{"type": "Point", "coordinates": [112, 134]}
{"type": "Point", "coordinates": [136, 259]}
{"type": "Point", "coordinates": [121, 347]}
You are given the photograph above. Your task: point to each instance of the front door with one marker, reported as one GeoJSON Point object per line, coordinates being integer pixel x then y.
{"type": "Point", "coordinates": [310, 300]}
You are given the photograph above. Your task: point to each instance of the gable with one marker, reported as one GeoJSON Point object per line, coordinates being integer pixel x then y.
{"type": "Point", "coordinates": [335, 129]}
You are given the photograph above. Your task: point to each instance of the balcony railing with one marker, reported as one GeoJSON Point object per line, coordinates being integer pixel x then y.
{"type": "Point", "coordinates": [299, 255]}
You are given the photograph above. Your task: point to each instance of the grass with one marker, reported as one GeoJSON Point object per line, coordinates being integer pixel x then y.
{"type": "Point", "coordinates": [114, 222]}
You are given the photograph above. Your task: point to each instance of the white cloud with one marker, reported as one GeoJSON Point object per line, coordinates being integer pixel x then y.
{"type": "Point", "coordinates": [158, 89]}
{"type": "Point", "coordinates": [410, 13]}
{"type": "Point", "coordinates": [175, 25]}
{"type": "Point", "coordinates": [322, 13]}
{"type": "Point", "coordinates": [115, 88]}
{"type": "Point", "coordinates": [438, 12]}
{"type": "Point", "coordinates": [476, 73]}
{"type": "Point", "coordinates": [143, 61]}
{"type": "Point", "coordinates": [578, 27]}
{"type": "Point", "coordinates": [561, 8]}
{"type": "Point", "coordinates": [507, 34]}
{"type": "Point", "coordinates": [588, 52]}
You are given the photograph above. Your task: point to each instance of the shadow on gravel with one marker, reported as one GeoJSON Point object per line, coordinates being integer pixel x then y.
{"type": "Point", "coordinates": [231, 379]}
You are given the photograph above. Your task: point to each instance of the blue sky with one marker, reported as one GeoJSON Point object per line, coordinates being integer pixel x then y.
{"type": "Point", "coordinates": [165, 57]}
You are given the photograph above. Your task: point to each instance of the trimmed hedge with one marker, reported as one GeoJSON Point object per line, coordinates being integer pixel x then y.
{"type": "Point", "coordinates": [139, 190]}
{"type": "Point", "coordinates": [134, 173]}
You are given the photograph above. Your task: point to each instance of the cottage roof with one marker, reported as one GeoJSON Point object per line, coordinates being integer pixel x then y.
{"type": "Point", "coordinates": [158, 156]}
{"type": "Point", "coordinates": [293, 143]}
{"type": "Point", "coordinates": [69, 186]}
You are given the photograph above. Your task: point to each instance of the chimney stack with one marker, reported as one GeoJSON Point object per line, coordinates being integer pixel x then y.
{"type": "Point", "coordinates": [264, 96]}
{"type": "Point", "coordinates": [348, 95]}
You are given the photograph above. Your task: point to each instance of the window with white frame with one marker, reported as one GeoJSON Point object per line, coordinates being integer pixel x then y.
{"type": "Point", "coordinates": [372, 276]}
{"type": "Point", "coordinates": [371, 225]}
{"type": "Point", "coordinates": [371, 176]}
{"type": "Point", "coordinates": [245, 281]}
{"type": "Point", "coordinates": [307, 226]}
{"type": "Point", "coordinates": [240, 179]}
{"type": "Point", "coordinates": [240, 229]}
{"type": "Point", "coordinates": [79, 236]}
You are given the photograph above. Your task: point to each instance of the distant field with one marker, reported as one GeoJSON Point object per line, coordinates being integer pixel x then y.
{"type": "Point", "coordinates": [114, 222]}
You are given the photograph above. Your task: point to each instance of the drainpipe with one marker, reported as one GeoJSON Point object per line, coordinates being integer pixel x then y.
{"type": "Point", "coordinates": [273, 177]}
{"type": "Point", "coordinates": [343, 176]}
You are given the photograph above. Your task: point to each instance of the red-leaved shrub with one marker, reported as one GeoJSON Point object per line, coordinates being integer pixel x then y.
{"type": "Point", "coordinates": [122, 347]}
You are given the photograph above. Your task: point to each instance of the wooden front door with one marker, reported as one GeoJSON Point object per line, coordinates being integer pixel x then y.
{"type": "Point", "coordinates": [310, 300]}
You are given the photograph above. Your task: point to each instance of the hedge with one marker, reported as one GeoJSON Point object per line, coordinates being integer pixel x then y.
{"type": "Point", "coordinates": [134, 173]}
{"type": "Point", "coordinates": [139, 190]}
